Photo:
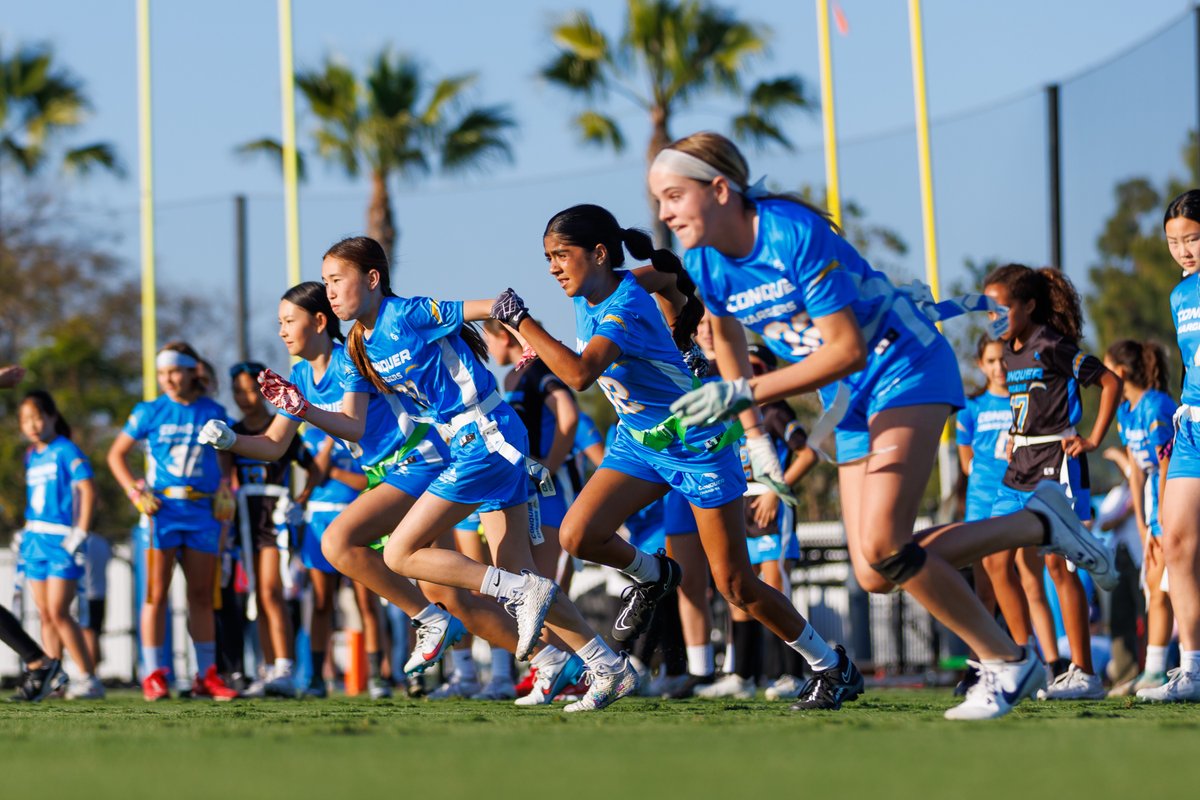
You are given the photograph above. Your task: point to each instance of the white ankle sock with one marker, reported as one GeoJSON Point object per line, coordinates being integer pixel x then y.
{"type": "Point", "coordinates": [700, 659]}
{"type": "Point", "coordinates": [644, 568]}
{"type": "Point", "coordinates": [546, 656]}
{"type": "Point", "coordinates": [1189, 661]}
{"type": "Point", "coordinates": [431, 613]}
{"type": "Point", "coordinates": [502, 671]}
{"type": "Point", "coordinates": [819, 655]}
{"type": "Point", "coordinates": [464, 665]}
{"type": "Point", "coordinates": [598, 655]}
{"type": "Point", "coordinates": [501, 584]}
{"type": "Point", "coordinates": [1156, 659]}
{"type": "Point", "coordinates": [283, 666]}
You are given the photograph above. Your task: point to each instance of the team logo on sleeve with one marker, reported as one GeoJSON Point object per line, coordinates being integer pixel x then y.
{"type": "Point", "coordinates": [433, 309]}
{"type": "Point", "coordinates": [613, 318]}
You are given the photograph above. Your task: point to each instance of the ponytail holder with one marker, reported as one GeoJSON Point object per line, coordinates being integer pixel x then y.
{"type": "Point", "coordinates": [757, 190]}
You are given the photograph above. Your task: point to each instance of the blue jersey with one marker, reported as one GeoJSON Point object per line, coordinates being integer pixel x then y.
{"type": "Point", "coordinates": [331, 491]}
{"type": "Point", "coordinates": [649, 374]}
{"type": "Point", "coordinates": [1146, 427]}
{"type": "Point", "coordinates": [798, 270]}
{"type": "Point", "coordinates": [984, 427]}
{"type": "Point", "coordinates": [389, 417]}
{"type": "Point", "coordinates": [417, 349]}
{"type": "Point", "coordinates": [1185, 311]}
{"type": "Point", "coordinates": [49, 478]}
{"type": "Point", "coordinates": [587, 434]}
{"type": "Point", "coordinates": [170, 431]}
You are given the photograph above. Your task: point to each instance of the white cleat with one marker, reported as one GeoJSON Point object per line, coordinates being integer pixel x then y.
{"type": "Point", "coordinates": [1068, 537]}
{"type": "Point", "coordinates": [87, 689]}
{"type": "Point", "coordinates": [1075, 684]}
{"type": "Point", "coordinates": [379, 689]}
{"type": "Point", "coordinates": [1001, 686]}
{"type": "Point", "coordinates": [454, 688]}
{"type": "Point", "coordinates": [530, 607]}
{"type": "Point", "coordinates": [606, 688]}
{"type": "Point", "coordinates": [1181, 687]}
{"type": "Point", "coordinates": [551, 679]}
{"type": "Point", "coordinates": [280, 684]}
{"type": "Point", "coordinates": [496, 690]}
{"type": "Point", "coordinates": [433, 640]}
{"type": "Point", "coordinates": [731, 685]}
{"type": "Point", "coordinates": [785, 687]}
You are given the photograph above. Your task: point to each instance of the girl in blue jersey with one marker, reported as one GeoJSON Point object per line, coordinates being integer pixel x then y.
{"type": "Point", "coordinates": [399, 456]}
{"type": "Point", "coordinates": [186, 497]}
{"type": "Point", "coordinates": [625, 345]}
{"type": "Point", "coordinates": [1045, 369]}
{"type": "Point", "coordinates": [1145, 422]}
{"type": "Point", "coordinates": [409, 472]}
{"type": "Point", "coordinates": [60, 499]}
{"type": "Point", "coordinates": [779, 267]}
{"type": "Point", "coordinates": [1180, 513]}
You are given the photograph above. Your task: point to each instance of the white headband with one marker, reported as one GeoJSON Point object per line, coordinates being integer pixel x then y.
{"type": "Point", "coordinates": [677, 162]}
{"type": "Point", "coordinates": [173, 359]}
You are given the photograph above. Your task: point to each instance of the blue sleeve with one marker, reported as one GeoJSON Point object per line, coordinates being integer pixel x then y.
{"type": "Point", "coordinates": [586, 434]}
{"type": "Point", "coordinates": [351, 379]}
{"type": "Point", "coordinates": [620, 328]}
{"type": "Point", "coordinates": [693, 264]}
{"type": "Point", "coordinates": [826, 284]}
{"type": "Point", "coordinates": [1123, 423]}
{"type": "Point", "coordinates": [964, 426]}
{"type": "Point", "coordinates": [136, 426]}
{"type": "Point", "coordinates": [434, 319]}
{"type": "Point", "coordinates": [78, 466]}
{"type": "Point", "coordinates": [1160, 429]}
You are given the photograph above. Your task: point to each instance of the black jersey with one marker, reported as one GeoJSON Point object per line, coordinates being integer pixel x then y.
{"type": "Point", "coordinates": [1043, 383]}
{"type": "Point", "coordinates": [276, 473]}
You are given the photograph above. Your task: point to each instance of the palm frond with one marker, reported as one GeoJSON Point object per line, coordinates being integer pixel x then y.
{"type": "Point", "coordinates": [579, 36]}
{"type": "Point", "coordinates": [445, 93]}
{"type": "Point", "coordinates": [600, 130]}
{"type": "Point", "coordinates": [758, 130]}
{"type": "Point", "coordinates": [273, 150]}
{"type": "Point", "coordinates": [393, 85]}
{"type": "Point", "coordinates": [478, 138]}
{"type": "Point", "coordinates": [99, 155]}
{"type": "Point", "coordinates": [332, 92]}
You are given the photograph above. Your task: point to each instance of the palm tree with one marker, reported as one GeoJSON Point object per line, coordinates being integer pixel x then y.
{"type": "Point", "coordinates": [669, 53]}
{"type": "Point", "coordinates": [39, 100]}
{"type": "Point", "coordinates": [394, 122]}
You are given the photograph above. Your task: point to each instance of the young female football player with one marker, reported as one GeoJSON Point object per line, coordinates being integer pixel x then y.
{"type": "Point", "coordinates": [186, 498]}
{"type": "Point", "coordinates": [628, 349]}
{"type": "Point", "coordinates": [60, 499]}
{"type": "Point", "coordinates": [886, 374]}
{"type": "Point", "coordinates": [1180, 514]}
{"type": "Point", "coordinates": [1145, 422]}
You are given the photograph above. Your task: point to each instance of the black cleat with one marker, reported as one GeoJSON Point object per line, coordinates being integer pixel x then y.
{"type": "Point", "coordinates": [38, 684]}
{"type": "Point", "coordinates": [641, 599]}
{"type": "Point", "coordinates": [830, 688]}
{"type": "Point", "coordinates": [970, 678]}
{"type": "Point", "coordinates": [689, 687]}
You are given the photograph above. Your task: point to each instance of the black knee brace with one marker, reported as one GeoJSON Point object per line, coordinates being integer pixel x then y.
{"type": "Point", "coordinates": [901, 566]}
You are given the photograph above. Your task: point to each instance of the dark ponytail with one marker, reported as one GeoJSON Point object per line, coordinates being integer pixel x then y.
{"type": "Point", "coordinates": [45, 405]}
{"type": "Point", "coordinates": [641, 247]}
{"type": "Point", "coordinates": [590, 225]}
{"type": "Point", "coordinates": [366, 254]}
{"type": "Point", "coordinates": [1145, 363]}
{"type": "Point", "coordinates": [1056, 303]}
{"type": "Point", "coordinates": [311, 296]}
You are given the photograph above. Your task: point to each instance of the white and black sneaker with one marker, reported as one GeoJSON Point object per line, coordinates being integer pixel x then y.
{"type": "Point", "coordinates": [37, 684]}
{"type": "Point", "coordinates": [640, 600]}
{"type": "Point", "coordinates": [1068, 537]}
{"type": "Point", "coordinates": [829, 688]}
{"type": "Point", "coordinates": [1001, 686]}
{"type": "Point", "coordinates": [530, 607]}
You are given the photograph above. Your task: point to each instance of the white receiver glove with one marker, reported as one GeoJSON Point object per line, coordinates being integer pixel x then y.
{"type": "Point", "coordinates": [764, 464]}
{"type": "Point", "coordinates": [713, 402]}
{"type": "Point", "coordinates": [217, 434]}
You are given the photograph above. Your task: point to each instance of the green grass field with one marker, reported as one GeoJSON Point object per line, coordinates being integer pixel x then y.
{"type": "Point", "coordinates": [891, 743]}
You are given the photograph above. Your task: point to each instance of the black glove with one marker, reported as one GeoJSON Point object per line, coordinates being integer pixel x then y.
{"type": "Point", "coordinates": [510, 309]}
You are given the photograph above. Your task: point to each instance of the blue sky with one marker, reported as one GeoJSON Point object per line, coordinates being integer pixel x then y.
{"type": "Point", "coordinates": [216, 84]}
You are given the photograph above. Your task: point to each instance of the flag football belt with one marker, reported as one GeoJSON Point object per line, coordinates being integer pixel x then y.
{"type": "Point", "coordinates": [672, 429]}
{"type": "Point", "coordinates": [322, 507]}
{"type": "Point", "coordinates": [52, 528]}
{"type": "Point", "coordinates": [182, 493]}
{"type": "Point", "coordinates": [377, 472]}
{"type": "Point", "coordinates": [1185, 411]}
{"type": "Point", "coordinates": [489, 429]}
{"type": "Point", "coordinates": [1064, 473]}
